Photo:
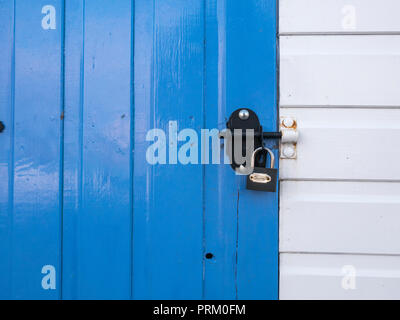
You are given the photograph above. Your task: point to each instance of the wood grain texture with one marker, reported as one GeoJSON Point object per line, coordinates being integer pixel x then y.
{"type": "Point", "coordinates": [340, 71]}
{"type": "Point", "coordinates": [340, 217]}
{"type": "Point", "coordinates": [345, 144]}
{"type": "Point", "coordinates": [324, 276]}
{"type": "Point", "coordinates": [336, 16]}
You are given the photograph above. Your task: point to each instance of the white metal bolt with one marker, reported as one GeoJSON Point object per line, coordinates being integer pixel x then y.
{"type": "Point", "coordinates": [289, 151]}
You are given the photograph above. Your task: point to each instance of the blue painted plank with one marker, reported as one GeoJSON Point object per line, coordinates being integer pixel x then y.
{"type": "Point", "coordinates": [73, 84]}
{"type": "Point", "coordinates": [221, 183]}
{"type": "Point", "coordinates": [251, 35]}
{"type": "Point", "coordinates": [241, 226]}
{"type": "Point", "coordinates": [36, 207]}
{"type": "Point", "coordinates": [6, 147]}
{"type": "Point", "coordinates": [98, 216]}
{"type": "Point", "coordinates": [168, 199]}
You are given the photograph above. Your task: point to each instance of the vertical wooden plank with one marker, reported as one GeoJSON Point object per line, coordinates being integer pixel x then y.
{"type": "Point", "coordinates": [6, 139]}
{"type": "Point", "coordinates": [36, 205]}
{"type": "Point", "coordinates": [221, 183]}
{"type": "Point", "coordinates": [168, 215]}
{"type": "Point", "coordinates": [252, 82]}
{"type": "Point", "coordinates": [74, 33]}
{"type": "Point", "coordinates": [241, 226]}
{"type": "Point", "coordinates": [98, 199]}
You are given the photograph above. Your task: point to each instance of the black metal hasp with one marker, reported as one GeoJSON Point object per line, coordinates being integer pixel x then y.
{"type": "Point", "coordinates": [2, 126]}
{"type": "Point", "coordinates": [244, 119]}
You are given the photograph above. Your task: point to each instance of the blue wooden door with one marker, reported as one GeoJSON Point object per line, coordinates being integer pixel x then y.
{"type": "Point", "coordinates": [196, 62]}
{"type": "Point", "coordinates": [83, 213]}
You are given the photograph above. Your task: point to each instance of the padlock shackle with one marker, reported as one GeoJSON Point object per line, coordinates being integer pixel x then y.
{"type": "Point", "coordinates": [253, 157]}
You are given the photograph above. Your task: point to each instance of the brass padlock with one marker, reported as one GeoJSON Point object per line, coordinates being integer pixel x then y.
{"type": "Point", "coordinates": [262, 179]}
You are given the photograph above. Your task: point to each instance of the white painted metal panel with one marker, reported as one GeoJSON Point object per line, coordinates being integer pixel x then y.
{"type": "Point", "coordinates": [347, 144]}
{"type": "Point", "coordinates": [340, 71]}
{"type": "Point", "coordinates": [314, 16]}
{"type": "Point", "coordinates": [321, 276]}
{"type": "Point", "coordinates": [340, 217]}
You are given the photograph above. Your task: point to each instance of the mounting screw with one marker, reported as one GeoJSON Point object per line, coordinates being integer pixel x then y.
{"type": "Point", "coordinates": [289, 151]}
{"type": "Point", "coordinates": [288, 122]}
{"type": "Point", "coordinates": [244, 114]}
{"type": "Point", "coordinates": [2, 127]}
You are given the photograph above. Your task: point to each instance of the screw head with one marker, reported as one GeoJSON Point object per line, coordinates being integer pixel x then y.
{"type": "Point", "coordinates": [289, 152]}
{"type": "Point", "coordinates": [244, 114]}
{"type": "Point", "coordinates": [288, 122]}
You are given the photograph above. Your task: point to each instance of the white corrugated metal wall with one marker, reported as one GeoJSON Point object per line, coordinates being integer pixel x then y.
{"type": "Point", "coordinates": [340, 199]}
